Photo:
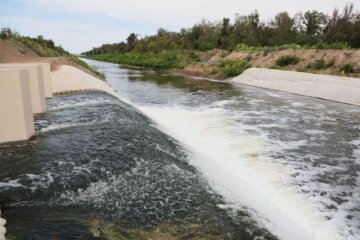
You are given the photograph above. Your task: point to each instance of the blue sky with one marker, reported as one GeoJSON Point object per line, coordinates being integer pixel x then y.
{"type": "Point", "coordinates": [79, 25]}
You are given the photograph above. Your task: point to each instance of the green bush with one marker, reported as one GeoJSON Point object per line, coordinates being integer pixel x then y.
{"type": "Point", "coordinates": [347, 68]}
{"type": "Point", "coordinates": [232, 68]}
{"type": "Point", "coordinates": [321, 64]}
{"type": "Point", "coordinates": [317, 65]}
{"type": "Point", "coordinates": [287, 60]}
{"type": "Point", "coordinates": [335, 45]}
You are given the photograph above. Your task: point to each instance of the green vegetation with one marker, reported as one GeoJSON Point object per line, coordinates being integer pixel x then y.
{"type": "Point", "coordinates": [80, 62]}
{"type": "Point", "coordinates": [309, 30]}
{"type": "Point", "coordinates": [320, 64]}
{"type": "Point", "coordinates": [163, 60]}
{"type": "Point", "coordinates": [44, 48]}
{"type": "Point", "coordinates": [312, 29]}
{"type": "Point", "coordinates": [287, 60]}
{"type": "Point", "coordinates": [232, 68]}
{"type": "Point", "coordinates": [347, 68]}
{"type": "Point", "coordinates": [41, 46]}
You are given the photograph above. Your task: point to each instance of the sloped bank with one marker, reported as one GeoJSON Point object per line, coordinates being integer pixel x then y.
{"type": "Point", "coordinates": [333, 88]}
{"type": "Point", "coordinates": [68, 79]}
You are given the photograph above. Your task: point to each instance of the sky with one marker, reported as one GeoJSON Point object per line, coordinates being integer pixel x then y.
{"type": "Point", "coordinates": [79, 25]}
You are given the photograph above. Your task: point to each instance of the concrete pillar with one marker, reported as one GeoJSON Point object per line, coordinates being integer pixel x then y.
{"type": "Point", "coordinates": [16, 114]}
{"type": "Point", "coordinates": [47, 80]}
{"type": "Point", "coordinates": [46, 76]}
{"type": "Point", "coordinates": [36, 79]}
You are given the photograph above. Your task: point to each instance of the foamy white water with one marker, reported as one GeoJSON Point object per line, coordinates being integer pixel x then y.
{"type": "Point", "coordinates": [236, 165]}
{"type": "Point", "coordinates": [292, 162]}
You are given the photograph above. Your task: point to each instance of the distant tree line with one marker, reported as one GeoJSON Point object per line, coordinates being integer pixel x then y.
{"type": "Point", "coordinates": [341, 29]}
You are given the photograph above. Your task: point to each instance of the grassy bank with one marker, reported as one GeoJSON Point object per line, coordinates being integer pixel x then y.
{"type": "Point", "coordinates": [221, 64]}
{"type": "Point", "coordinates": [176, 60]}
{"type": "Point", "coordinates": [30, 47]}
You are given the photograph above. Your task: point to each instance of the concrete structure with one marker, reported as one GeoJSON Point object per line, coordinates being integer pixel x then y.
{"type": "Point", "coordinates": [2, 228]}
{"type": "Point", "coordinates": [16, 121]}
{"type": "Point", "coordinates": [46, 69]}
{"type": "Point", "coordinates": [36, 84]}
{"type": "Point", "coordinates": [70, 79]}
{"type": "Point", "coordinates": [47, 80]}
{"type": "Point", "coordinates": [333, 88]}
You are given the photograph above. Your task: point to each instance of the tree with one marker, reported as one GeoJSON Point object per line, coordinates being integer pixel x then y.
{"type": "Point", "coordinates": [225, 39]}
{"type": "Point", "coordinates": [314, 22]}
{"type": "Point", "coordinates": [247, 29]}
{"type": "Point", "coordinates": [343, 27]}
{"type": "Point", "coordinates": [284, 27]}
{"type": "Point", "coordinates": [131, 40]}
{"type": "Point", "coordinates": [7, 33]}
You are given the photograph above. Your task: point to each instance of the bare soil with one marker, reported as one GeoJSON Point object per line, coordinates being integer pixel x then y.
{"type": "Point", "coordinates": [16, 52]}
{"type": "Point", "coordinates": [260, 59]}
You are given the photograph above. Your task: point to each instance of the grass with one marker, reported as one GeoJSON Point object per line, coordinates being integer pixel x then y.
{"type": "Point", "coordinates": [41, 48]}
{"type": "Point", "coordinates": [287, 60]}
{"type": "Point", "coordinates": [79, 62]}
{"type": "Point", "coordinates": [320, 45]}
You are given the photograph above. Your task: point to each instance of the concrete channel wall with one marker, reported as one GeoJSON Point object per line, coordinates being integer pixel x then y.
{"type": "Point", "coordinates": [46, 72]}
{"type": "Point", "coordinates": [70, 79]}
{"type": "Point", "coordinates": [16, 121]}
{"type": "Point", "coordinates": [36, 78]}
{"type": "Point", "coordinates": [333, 88]}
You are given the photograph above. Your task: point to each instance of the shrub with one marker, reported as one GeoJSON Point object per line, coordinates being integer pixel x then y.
{"type": "Point", "coordinates": [317, 65]}
{"type": "Point", "coordinates": [335, 45]}
{"type": "Point", "coordinates": [347, 68]}
{"type": "Point", "coordinates": [321, 64]}
{"type": "Point", "coordinates": [193, 57]}
{"type": "Point", "coordinates": [232, 68]}
{"type": "Point", "coordinates": [287, 60]}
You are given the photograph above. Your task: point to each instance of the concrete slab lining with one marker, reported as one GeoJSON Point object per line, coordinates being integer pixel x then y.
{"type": "Point", "coordinates": [70, 79]}
{"type": "Point", "coordinates": [333, 88]}
{"type": "Point", "coordinates": [16, 114]}
{"type": "Point", "coordinates": [36, 84]}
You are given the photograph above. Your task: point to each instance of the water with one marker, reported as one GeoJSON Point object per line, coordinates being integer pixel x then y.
{"type": "Point", "coordinates": [178, 155]}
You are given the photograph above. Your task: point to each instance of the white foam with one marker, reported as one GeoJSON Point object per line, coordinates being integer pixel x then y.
{"type": "Point", "coordinates": [236, 165]}
{"type": "Point", "coordinates": [11, 184]}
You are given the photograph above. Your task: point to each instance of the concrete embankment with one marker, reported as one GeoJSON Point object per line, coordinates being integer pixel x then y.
{"type": "Point", "coordinates": [333, 88]}
{"type": "Point", "coordinates": [70, 79]}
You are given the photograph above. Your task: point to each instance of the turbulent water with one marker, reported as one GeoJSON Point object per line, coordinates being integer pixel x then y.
{"type": "Point", "coordinates": [187, 158]}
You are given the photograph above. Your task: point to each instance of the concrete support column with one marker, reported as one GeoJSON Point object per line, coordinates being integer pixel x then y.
{"type": "Point", "coordinates": [47, 80]}
{"type": "Point", "coordinates": [46, 69]}
{"type": "Point", "coordinates": [36, 78]}
{"type": "Point", "coordinates": [16, 114]}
